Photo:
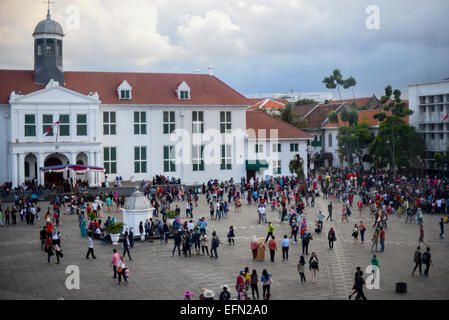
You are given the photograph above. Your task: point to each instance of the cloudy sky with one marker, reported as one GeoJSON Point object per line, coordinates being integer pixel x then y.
{"type": "Point", "coordinates": [255, 45]}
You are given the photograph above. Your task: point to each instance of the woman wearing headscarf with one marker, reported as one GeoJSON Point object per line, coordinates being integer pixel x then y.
{"type": "Point", "coordinates": [260, 250]}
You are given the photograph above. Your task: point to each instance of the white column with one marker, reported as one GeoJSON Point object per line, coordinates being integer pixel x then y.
{"type": "Point", "coordinates": [71, 173]}
{"type": "Point", "coordinates": [91, 161]}
{"type": "Point", "coordinates": [13, 159]}
{"type": "Point", "coordinates": [40, 164]}
{"type": "Point", "coordinates": [21, 168]}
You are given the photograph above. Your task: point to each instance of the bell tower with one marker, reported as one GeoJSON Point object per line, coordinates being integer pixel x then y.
{"type": "Point", "coordinates": [48, 63]}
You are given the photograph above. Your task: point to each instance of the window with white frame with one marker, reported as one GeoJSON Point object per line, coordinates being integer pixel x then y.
{"type": "Point", "coordinates": [184, 95]}
{"type": "Point", "coordinates": [124, 91]}
{"type": "Point", "coordinates": [109, 124]}
{"type": "Point", "coordinates": [64, 125]}
{"type": "Point", "coordinates": [81, 124]}
{"type": "Point", "coordinates": [277, 147]}
{"type": "Point", "coordinates": [277, 167]}
{"type": "Point", "coordinates": [225, 122]}
{"type": "Point", "coordinates": [330, 139]}
{"type": "Point", "coordinates": [198, 158]}
{"type": "Point", "coordinates": [226, 157]}
{"type": "Point", "coordinates": [140, 122]}
{"type": "Point", "coordinates": [140, 159]}
{"type": "Point", "coordinates": [197, 122]}
{"type": "Point", "coordinates": [258, 148]}
{"type": "Point", "coordinates": [169, 122]}
{"type": "Point", "coordinates": [47, 122]}
{"type": "Point", "coordinates": [110, 159]}
{"type": "Point", "coordinates": [294, 147]}
{"type": "Point", "coordinates": [30, 125]}
{"type": "Point", "coordinates": [169, 159]}
{"type": "Point", "coordinates": [183, 91]}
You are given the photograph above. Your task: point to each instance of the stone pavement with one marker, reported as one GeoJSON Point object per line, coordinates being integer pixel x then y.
{"type": "Point", "coordinates": [155, 274]}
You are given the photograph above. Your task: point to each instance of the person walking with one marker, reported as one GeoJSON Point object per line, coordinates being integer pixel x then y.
{"type": "Point", "coordinates": [240, 283]}
{"type": "Point", "coordinates": [382, 239]}
{"type": "Point", "coordinates": [285, 246]}
{"type": "Point", "coordinates": [254, 247]}
{"type": "Point", "coordinates": [331, 237]}
{"type": "Point", "coordinates": [272, 246]}
{"type": "Point", "coordinates": [90, 246]}
{"type": "Point", "coordinates": [122, 271]}
{"type": "Point", "coordinates": [115, 262]}
{"type": "Point", "coordinates": [421, 235]}
{"type": "Point", "coordinates": [355, 233]}
{"type": "Point", "coordinates": [203, 242]}
{"type": "Point", "coordinates": [305, 242]}
{"type": "Point", "coordinates": [329, 209]}
{"type": "Point", "coordinates": [270, 231]}
{"type": "Point", "coordinates": [49, 248]}
{"type": "Point", "coordinates": [43, 236]}
{"type": "Point", "coordinates": [178, 239]}
{"type": "Point", "coordinates": [58, 252]}
{"type": "Point", "coordinates": [301, 267]}
{"type": "Point", "coordinates": [359, 283]}
{"type": "Point", "coordinates": [417, 259]}
{"type": "Point", "coordinates": [375, 240]}
{"type": "Point", "coordinates": [266, 283]}
{"type": "Point", "coordinates": [375, 266]}
{"type": "Point", "coordinates": [254, 287]}
{"type": "Point", "coordinates": [215, 243]}
{"type": "Point", "coordinates": [126, 246]}
{"type": "Point", "coordinates": [441, 223]}
{"type": "Point", "coordinates": [362, 229]}
{"type": "Point", "coordinates": [313, 266]}
{"type": "Point", "coordinates": [231, 235]}
{"type": "Point", "coordinates": [427, 260]}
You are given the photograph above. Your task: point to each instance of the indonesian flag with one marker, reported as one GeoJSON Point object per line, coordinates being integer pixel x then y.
{"type": "Point", "coordinates": [49, 128]}
{"type": "Point", "coordinates": [447, 116]}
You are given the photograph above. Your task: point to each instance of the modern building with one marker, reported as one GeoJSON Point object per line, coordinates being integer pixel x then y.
{"type": "Point", "coordinates": [134, 125]}
{"type": "Point", "coordinates": [430, 103]}
{"type": "Point", "coordinates": [292, 97]}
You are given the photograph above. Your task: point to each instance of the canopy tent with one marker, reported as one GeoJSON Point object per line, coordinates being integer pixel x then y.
{"type": "Point", "coordinates": [94, 180]}
{"type": "Point", "coordinates": [75, 167]}
{"type": "Point", "coordinates": [256, 165]}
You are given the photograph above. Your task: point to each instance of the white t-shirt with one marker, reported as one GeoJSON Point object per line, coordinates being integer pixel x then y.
{"type": "Point", "coordinates": [261, 210]}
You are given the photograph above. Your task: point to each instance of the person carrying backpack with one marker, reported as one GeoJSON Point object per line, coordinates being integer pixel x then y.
{"type": "Point", "coordinates": [418, 261]}
{"type": "Point", "coordinates": [427, 260]}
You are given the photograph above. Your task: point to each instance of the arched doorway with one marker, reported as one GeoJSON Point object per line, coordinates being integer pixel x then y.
{"type": "Point", "coordinates": [56, 178]}
{"type": "Point", "coordinates": [30, 167]}
{"type": "Point", "coordinates": [81, 159]}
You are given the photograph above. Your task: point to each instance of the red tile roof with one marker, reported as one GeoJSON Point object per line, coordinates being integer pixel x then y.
{"type": "Point", "coordinates": [147, 88]}
{"type": "Point", "coordinates": [366, 116]}
{"type": "Point", "coordinates": [359, 101]}
{"type": "Point", "coordinates": [268, 104]}
{"type": "Point", "coordinates": [256, 120]}
{"type": "Point", "coordinates": [318, 115]}
{"type": "Point", "coordinates": [257, 100]}
{"type": "Point", "coordinates": [303, 110]}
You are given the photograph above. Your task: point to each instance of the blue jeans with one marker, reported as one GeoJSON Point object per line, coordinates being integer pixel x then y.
{"type": "Point", "coordinates": [362, 235]}
{"type": "Point", "coordinates": [115, 271]}
{"type": "Point", "coordinates": [212, 250]}
{"type": "Point", "coordinates": [382, 245]}
{"type": "Point", "coordinates": [179, 248]}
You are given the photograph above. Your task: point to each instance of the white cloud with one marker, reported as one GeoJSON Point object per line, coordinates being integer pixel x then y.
{"type": "Point", "coordinates": [214, 35]}
{"type": "Point", "coordinates": [260, 9]}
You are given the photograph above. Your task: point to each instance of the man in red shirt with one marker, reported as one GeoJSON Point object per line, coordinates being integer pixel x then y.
{"type": "Point", "coordinates": [272, 246]}
{"type": "Point", "coordinates": [360, 206]}
{"type": "Point", "coordinates": [382, 239]}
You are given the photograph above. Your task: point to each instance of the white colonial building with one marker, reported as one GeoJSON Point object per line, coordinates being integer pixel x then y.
{"type": "Point", "coordinates": [430, 103]}
{"type": "Point", "coordinates": [134, 125]}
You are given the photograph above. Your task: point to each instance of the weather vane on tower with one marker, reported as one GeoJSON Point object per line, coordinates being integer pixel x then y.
{"type": "Point", "coordinates": [48, 2]}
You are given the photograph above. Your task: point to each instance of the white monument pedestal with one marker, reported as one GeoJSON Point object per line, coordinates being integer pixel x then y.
{"type": "Point", "coordinates": [136, 209]}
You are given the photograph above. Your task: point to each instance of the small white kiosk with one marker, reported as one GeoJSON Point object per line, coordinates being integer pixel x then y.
{"type": "Point", "coordinates": [137, 208]}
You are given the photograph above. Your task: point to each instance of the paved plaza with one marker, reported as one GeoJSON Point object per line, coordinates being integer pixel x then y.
{"type": "Point", "coordinates": [155, 274]}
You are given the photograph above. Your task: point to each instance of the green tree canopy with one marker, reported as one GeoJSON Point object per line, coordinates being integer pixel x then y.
{"type": "Point", "coordinates": [303, 102]}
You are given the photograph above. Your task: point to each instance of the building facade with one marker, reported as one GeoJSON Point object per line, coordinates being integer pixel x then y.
{"type": "Point", "coordinates": [430, 103]}
{"type": "Point", "coordinates": [134, 125]}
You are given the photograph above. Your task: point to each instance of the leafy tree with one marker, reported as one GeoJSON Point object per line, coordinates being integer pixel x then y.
{"type": "Point", "coordinates": [333, 117]}
{"type": "Point", "coordinates": [396, 143]}
{"type": "Point", "coordinates": [290, 117]}
{"type": "Point", "coordinates": [350, 83]}
{"type": "Point", "coordinates": [303, 102]}
{"type": "Point", "coordinates": [363, 139]}
{"type": "Point", "coordinates": [442, 159]}
{"type": "Point", "coordinates": [335, 80]}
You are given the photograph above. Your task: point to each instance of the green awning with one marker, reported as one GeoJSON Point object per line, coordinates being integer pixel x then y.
{"type": "Point", "coordinates": [256, 165]}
